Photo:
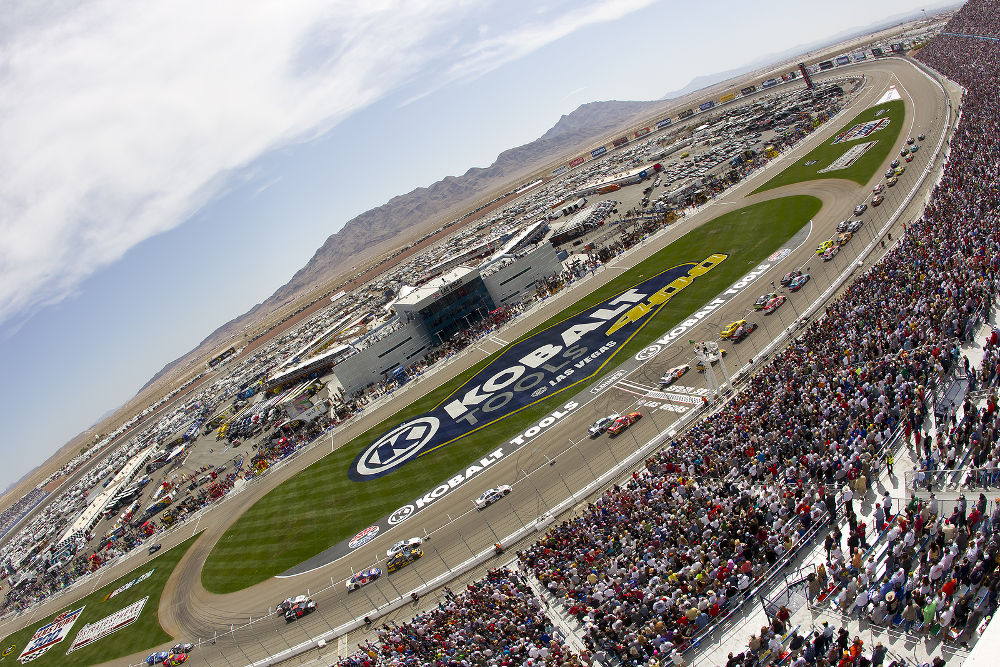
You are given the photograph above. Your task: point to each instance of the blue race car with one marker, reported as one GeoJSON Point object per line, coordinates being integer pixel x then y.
{"type": "Point", "coordinates": [157, 658]}
{"type": "Point", "coordinates": [798, 282]}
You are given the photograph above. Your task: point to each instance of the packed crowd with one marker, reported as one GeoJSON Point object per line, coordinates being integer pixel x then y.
{"type": "Point", "coordinates": [651, 563]}
{"type": "Point", "coordinates": [494, 621]}
{"type": "Point", "coordinates": [10, 516]}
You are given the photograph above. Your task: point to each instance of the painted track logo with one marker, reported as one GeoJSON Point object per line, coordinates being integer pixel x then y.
{"type": "Point", "coordinates": [396, 447]}
{"type": "Point", "coordinates": [364, 537]}
{"type": "Point", "coordinates": [648, 353]}
{"type": "Point", "coordinates": [401, 515]}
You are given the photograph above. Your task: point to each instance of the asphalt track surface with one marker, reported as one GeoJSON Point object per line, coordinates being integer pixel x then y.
{"type": "Point", "coordinates": [188, 612]}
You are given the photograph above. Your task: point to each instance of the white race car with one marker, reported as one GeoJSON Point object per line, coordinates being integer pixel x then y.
{"type": "Point", "coordinates": [403, 544]}
{"type": "Point", "coordinates": [490, 496]}
{"type": "Point", "coordinates": [601, 425]}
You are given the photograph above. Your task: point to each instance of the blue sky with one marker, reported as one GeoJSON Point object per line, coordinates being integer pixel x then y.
{"type": "Point", "coordinates": [168, 165]}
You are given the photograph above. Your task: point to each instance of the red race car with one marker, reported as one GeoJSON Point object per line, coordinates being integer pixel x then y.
{"type": "Point", "coordinates": [623, 423]}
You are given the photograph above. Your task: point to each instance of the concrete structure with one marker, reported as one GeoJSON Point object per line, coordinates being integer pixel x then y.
{"type": "Point", "coordinates": [507, 278]}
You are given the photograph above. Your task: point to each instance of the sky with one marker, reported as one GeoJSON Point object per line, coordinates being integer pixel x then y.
{"type": "Point", "coordinates": [168, 165]}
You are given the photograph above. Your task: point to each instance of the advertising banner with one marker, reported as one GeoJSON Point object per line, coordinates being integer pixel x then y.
{"type": "Point", "coordinates": [705, 106]}
{"type": "Point", "coordinates": [92, 632]}
{"type": "Point", "coordinates": [599, 151]}
{"type": "Point", "coordinates": [843, 60]}
{"type": "Point", "coordinates": [621, 141]}
{"type": "Point", "coordinates": [897, 47]}
{"type": "Point", "coordinates": [663, 123]}
{"type": "Point", "coordinates": [49, 635]}
{"type": "Point", "coordinates": [858, 57]}
{"type": "Point", "coordinates": [877, 52]}
{"type": "Point", "coordinates": [749, 90]}
{"type": "Point", "coordinates": [728, 97]}
{"type": "Point", "coordinates": [577, 161]}
{"type": "Point", "coordinates": [686, 114]}
{"type": "Point", "coordinates": [825, 65]}
{"type": "Point", "coordinates": [129, 584]}
{"type": "Point", "coordinates": [560, 170]}
{"type": "Point", "coordinates": [641, 133]}
{"type": "Point", "coordinates": [562, 356]}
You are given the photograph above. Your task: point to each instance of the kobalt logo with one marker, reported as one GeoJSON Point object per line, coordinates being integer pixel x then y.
{"type": "Point", "coordinates": [401, 515]}
{"type": "Point", "coordinates": [397, 446]}
{"type": "Point", "coordinates": [648, 353]}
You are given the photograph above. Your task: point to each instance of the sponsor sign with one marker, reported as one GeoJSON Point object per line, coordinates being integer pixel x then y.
{"type": "Point", "coordinates": [687, 113]}
{"type": "Point", "coordinates": [779, 254]}
{"type": "Point", "coordinates": [641, 133]}
{"type": "Point", "coordinates": [92, 632]}
{"type": "Point", "coordinates": [728, 97]}
{"type": "Point", "coordinates": [705, 106]}
{"type": "Point", "coordinates": [577, 161]}
{"type": "Point", "coordinates": [663, 123]}
{"type": "Point", "coordinates": [557, 358]}
{"type": "Point", "coordinates": [599, 151]}
{"type": "Point", "coordinates": [560, 170]}
{"type": "Point", "coordinates": [850, 156]}
{"type": "Point", "coordinates": [768, 83]}
{"type": "Point", "coordinates": [863, 130]}
{"type": "Point", "coordinates": [49, 635]}
{"type": "Point", "coordinates": [608, 381]}
{"type": "Point", "coordinates": [825, 65]}
{"type": "Point", "coordinates": [809, 163]}
{"type": "Point", "coordinates": [363, 538]}
{"type": "Point", "coordinates": [897, 47]}
{"type": "Point", "coordinates": [7, 651]}
{"type": "Point", "coordinates": [621, 141]}
{"type": "Point", "coordinates": [749, 90]}
{"type": "Point", "coordinates": [877, 52]}
{"type": "Point", "coordinates": [124, 587]}
{"type": "Point", "coordinates": [843, 60]}
{"type": "Point", "coordinates": [858, 57]}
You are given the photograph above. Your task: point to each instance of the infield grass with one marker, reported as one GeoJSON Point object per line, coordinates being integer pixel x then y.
{"type": "Point", "coordinates": [144, 634]}
{"type": "Point", "coordinates": [320, 506]}
{"type": "Point", "coordinates": [864, 168]}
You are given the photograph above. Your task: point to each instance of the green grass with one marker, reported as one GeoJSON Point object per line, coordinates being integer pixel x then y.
{"type": "Point", "coordinates": [320, 506]}
{"type": "Point", "coordinates": [824, 154]}
{"type": "Point", "coordinates": [142, 635]}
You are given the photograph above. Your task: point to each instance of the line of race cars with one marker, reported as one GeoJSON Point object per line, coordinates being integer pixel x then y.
{"type": "Point", "coordinates": [177, 655]}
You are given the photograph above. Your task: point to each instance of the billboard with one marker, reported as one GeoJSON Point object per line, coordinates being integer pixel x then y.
{"type": "Point", "coordinates": [620, 141]}
{"type": "Point", "coordinates": [641, 133]}
{"type": "Point", "coordinates": [843, 60]}
{"type": "Point", "coordinates": [858, 57]}
{"type": "Point", "coordinates": [49, 635]}
{"type": "Point", "coordinates": [705, 106]}
{"type": "Point", "coordinates": [663, 123]}
{"type": "Point", "coordinates": [577, 161]}
{"type": "Point", "coordinates": [560, 170]}
{"type": "Point", "coordinates": [599, 151]}
{"type": "Point", "coordinates": [686, 114]}
{"type": "Point", "coordinates": [825, 65]}
{"type": "Point", "coordinates": [92, 632]}
{"type": "Point", "coordinates": [877, 52]}
{"type": "Point", "coordinates": [531, 370]}
{"type": "Point", "coordinates": [749, 90]}
{"type": "Point", "coordinates": [768, 83]}
{"type": "Point", "coordinates": [728, 97]}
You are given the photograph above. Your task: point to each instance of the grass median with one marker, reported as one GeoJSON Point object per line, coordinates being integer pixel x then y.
{"type": "Point", "coordinates": [142, 635]}
{"type": "Point", "coordinates": [807, 168]}
{"type": "Point", "coordinates": [320, 506]}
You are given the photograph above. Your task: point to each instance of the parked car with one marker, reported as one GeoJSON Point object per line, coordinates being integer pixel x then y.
{"type": "Point", "coordinates": [490, 496]}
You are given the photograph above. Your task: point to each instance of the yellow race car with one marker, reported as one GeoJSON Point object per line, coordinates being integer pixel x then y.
{"type": "Point", "coordinates": [824, 246]}
{"type": "Point", "coordinates": [731, 328]}
{"type": "Point", "coordinates": [844, 238]}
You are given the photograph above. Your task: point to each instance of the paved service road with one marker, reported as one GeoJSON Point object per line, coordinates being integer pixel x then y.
{"type": "Point", "coordinates": [189, 613]}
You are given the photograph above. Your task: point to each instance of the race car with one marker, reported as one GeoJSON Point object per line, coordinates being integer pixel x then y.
{"type": "Point", "coordinates": [914, 149]}
{"type": "Point", "coordinates": [404, 544]}
{"type": "Point", "coordinates": [404, 558]}
{"type": "Point", "coordinates": [860, 208]}
{"type": "Point", "coordinates": [799, 281]}
{"type": "Point", "coordinates": [153, 548]}
{"type": "Point", "coordinates": [775, 303]}
{"type": "Point", "coordinates": [824, 246]}
{"type": "Point", "coordinates": [904, 151]}
{"type": "Point", "coordinates": [900, 169]}
{"type": "Point", "coordinates": [300, 609]}
{"type": "Point", "coordinates": [182, 648]}
{"type": "Point", "coordinates": [731, 328]}
{"type": "Point", "coordinates": [673, 375]}
{"type": "Point", "coordinates": [892, 181]}
{"type": "Point", "coordinates": [288, 603]}
{"type": "Point", "coordinates": [489, 497]}
{"type": "Point", "coordinates": [842, 225]}
{"type": "Point", "coordinates": [831, 253]}
{"type": "Point", "coordinates": [877, 199]}
{"type": "Point", "coordinates": [910, 140]}
{"type": "Point", "coordinates": [921, 137]}
{"type": "Point", "coordinates": [789, 277]}
{"type": "Point", "coordinates": [363, 578]}
{"type": "Point", "coordinates": [602, 424]}
{"type": "Point", "coordinates": [623, 423]}
{"type": "Point", "coordinates": [894, 163]}
{"type": "Point", "coordinates": [157, 658]}
{"type": "Point", "coordinates": [855, 226]}
{"type": "Point", "coordinates": [844, 238]}
{"type": "Point", "coordinates": [909, 158]}
{"type": "Point", "coordinates": [878, 189]}
{"type": "Point", "coordinates": [763, 299]}
{"type": "Point", "coordinates": [889, 172]}
{"type": "Point", "coordinates": [175, 659]}
{"type": "Point", "coordinates": [743, 331]}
